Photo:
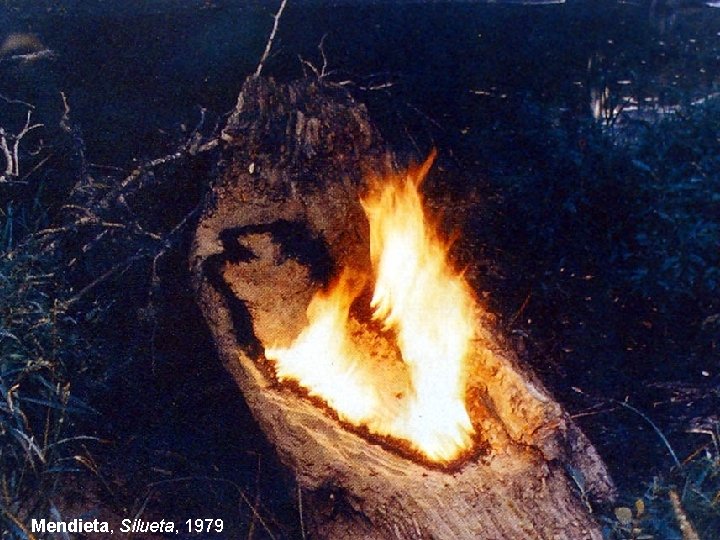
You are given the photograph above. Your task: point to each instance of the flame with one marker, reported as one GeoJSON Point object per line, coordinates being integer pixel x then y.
{"type": "Point", "coordinates": [418, 395]}
{"type": "Point", "coordinates": [323, 359]}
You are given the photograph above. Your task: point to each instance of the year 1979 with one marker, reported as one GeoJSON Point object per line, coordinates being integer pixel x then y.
{"type": "Point", "coordinates": [204, 525]}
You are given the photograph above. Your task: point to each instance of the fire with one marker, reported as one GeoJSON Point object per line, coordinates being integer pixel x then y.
{"type": "Point", "coordinates": [416, 393]}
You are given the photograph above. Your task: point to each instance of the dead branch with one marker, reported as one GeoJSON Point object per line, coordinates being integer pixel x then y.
{"type": "Point", "coordinates": [322, 72]}
{"type": "Point", "coordinates": [642, 415]}
{"type": "Point", "coordinates": [10, 147]}
{"type": "Point", "coordinates": [652, 425]}
{"type": "Point", "coordinates": [686, 526]}
{"type": "Point", "coordinates": [45, 54]}
{"type": "Point", "coordinates": [194, 145]}
{"type": "Point", "coordinates": [124, 265]}
{"type": "Point", "coordinates": [65, 120]}
{"type": "Point", "coordinates": [271, 39]}
{"type": "Point", "coordinates": [9, 165]}
{"type": "Point", "coordinates": [11, 101]}
{"type": "Point", "coordinates": [95, 216]}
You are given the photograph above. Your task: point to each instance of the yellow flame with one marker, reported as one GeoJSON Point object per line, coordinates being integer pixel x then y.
{"type": "Point", "coordinates": [323, 360]}
{"type": "Point", "coordinates": [426, 306]}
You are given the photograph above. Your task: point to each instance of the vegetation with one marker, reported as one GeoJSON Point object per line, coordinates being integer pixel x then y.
{"type": "Point", "coordinates": [39, 349]}
{"type": "Point", "coordinates": [674, 257]}
{"type": "Point", "coordinates": [683, 504]}
{"type": "Point", "coordinates": [620, 236]}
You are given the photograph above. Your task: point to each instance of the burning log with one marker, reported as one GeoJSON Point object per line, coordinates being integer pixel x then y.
{"type": "Point", "coordinates": [359, 350]}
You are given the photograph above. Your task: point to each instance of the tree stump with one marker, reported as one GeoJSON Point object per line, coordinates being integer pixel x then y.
{"type": "Point", "coordinates": [283, 217]}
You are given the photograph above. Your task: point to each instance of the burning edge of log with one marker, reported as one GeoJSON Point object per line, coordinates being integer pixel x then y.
{"type": "Point", "coordinates": [283, 215]}
{"type": "Point", "coordinates": [478, 450]}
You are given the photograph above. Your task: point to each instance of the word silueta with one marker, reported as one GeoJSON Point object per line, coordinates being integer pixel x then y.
{"type": "Point", "coordinates": [197, 525]}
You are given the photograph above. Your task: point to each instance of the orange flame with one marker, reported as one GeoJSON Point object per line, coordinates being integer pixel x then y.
{"type": "Point", "coordinates": [427, 308]}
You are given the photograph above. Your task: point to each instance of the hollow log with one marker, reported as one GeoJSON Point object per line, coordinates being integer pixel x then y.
{"type": "Point", "coordinates": [282, 218]}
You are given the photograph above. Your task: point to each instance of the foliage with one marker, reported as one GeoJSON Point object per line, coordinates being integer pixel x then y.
{"type": "Point", "coordinates": [674, 255]}
{"type": "Point", "coordinates": [696, 485]}
{"type": "Point", "coordinates": [618, 240]}
{"type": "Point", "coordinates": [38, 347]}
{"type": "Point", "coordinates": [43, 353]}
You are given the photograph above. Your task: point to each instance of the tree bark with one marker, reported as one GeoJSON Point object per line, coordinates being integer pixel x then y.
{"type": "Point", "coordinates": [283, 217]}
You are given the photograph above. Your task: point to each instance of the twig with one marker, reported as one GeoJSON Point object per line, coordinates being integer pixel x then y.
{"type": "Point", "coordinates": [165, 243]}
{"type": "Point", "coordinates": [300, 511]}
{"type": "Point", "coordinates": [271, 39]}
{"type": "Point", "coordinates": [27, 128]}
{"type": "Point", "coordinates": [65, 120]}
{"type": "Point", "coordinates": [321, 48]}
{"type": "Point", "coordinates": [521, 309]}
{"type": "Point", "coordinates": [19, 524]}
{"type": "Point", "coordinates": [7, 155]}
{"type": "Point", "coordinates": [211, 479]}
{"type": "Point", "coordinates": [427, 117]}
{"type": "Point", "coordinates": [686, 526]}
{"type": "Point", "coordinates": [642, 415]}
{"type": "Point", "coordinates": [106, 167]}
{"type": "Point", "coordinates": [31, 57]}
{"type": "Point", "coordinates": [124, 265]}
{"type": "Point", "coordinates": [42, 162]}
{"type": "Point", "coordinates": [592, 411]}
{"type": "Point", "coordinates": [16, 102]}
{"type": "Point", "coordinates": [251, 527]}
{"type": "Point", "coordinates": [379, 86]}
{"type": "Point", "coordinates": [321, 73]}
{"type": "Point", "coordinates": [191, 146]}
{"type": "Point", "coordinates": [12, 154]}
{"type": "Point", "coordinates": [652, 424]}
{"type": "Point", "coordinates": [80, 222]}
{"type": "Point", "coordinates": [71, 128]}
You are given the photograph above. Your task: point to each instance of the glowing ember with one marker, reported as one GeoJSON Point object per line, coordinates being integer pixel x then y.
{"type": "Point", "coordinates": [418, 397]}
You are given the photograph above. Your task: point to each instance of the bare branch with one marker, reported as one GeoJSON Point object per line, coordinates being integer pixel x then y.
{"type": "Point", "coordinates": [122, 266]}
{"type": "Point", "coordinates": [686, 527]}
{"type": "Point", "coordinates": [322, 72]}
{"type": "Point", "coordinates": [652, 425]}
{"type": "Point", "coordinates": [385, 81]}
{"type": "Point", "coordinates": [194, 145]}
{"type": "Point", "coordinates": [65, 120]}
{"type": "Point", "coordinates": [271, 39]}
{"type": "Point", "coordinates": [33, 56]}
{"type": "Point", "coordinates": [27, 128]}
{"type": "Point", "coordinates": [16, 102]}
{"type": "Point", "coordinates": [42, 162]}
{"type": "Point", "coordinates": [321, 47]}
{"type": "Point", "coordinates": [379, 86]}
{"type": "Point", "coordinates": [310, 66]}
{"type": "Point", "coordinates": [10, 144]}
{"type": "Point", "coordinates": [9, 167]}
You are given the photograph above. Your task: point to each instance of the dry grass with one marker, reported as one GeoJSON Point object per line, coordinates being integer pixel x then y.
{"type": "Point", "coordinates": [38, 347]}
